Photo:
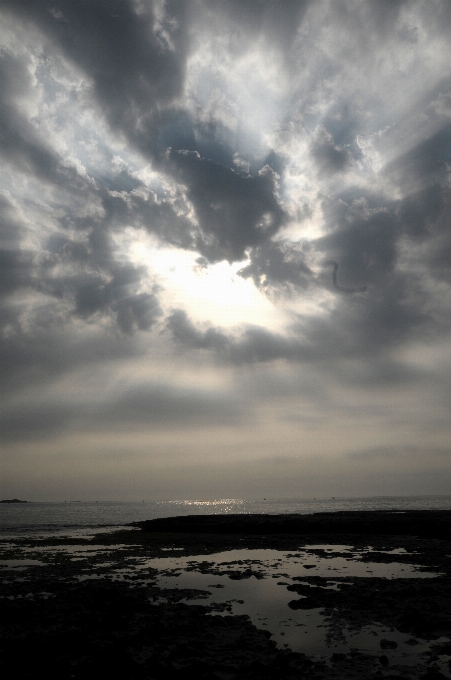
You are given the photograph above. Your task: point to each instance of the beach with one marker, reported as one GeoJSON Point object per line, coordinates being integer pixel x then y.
{"type": "Point", "coordinates": [325, 595]}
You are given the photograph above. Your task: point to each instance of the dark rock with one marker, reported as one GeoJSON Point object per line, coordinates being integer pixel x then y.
{"type": "Point", "coordinates": [13, 500]}
{"type": "Point", "coordinates": [109, 630]}
{"type": "Point", "coordinates": [388, 644]}
{"type": "Point", "coordinates": [411, 617]}
{"type": "Point", "coordinates": [429, 523]}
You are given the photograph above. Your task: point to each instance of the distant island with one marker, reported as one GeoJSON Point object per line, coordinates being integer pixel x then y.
{"type": "Point", "coordinates": [13, 500]}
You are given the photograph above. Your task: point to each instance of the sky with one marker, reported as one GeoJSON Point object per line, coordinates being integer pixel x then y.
{"type": "Point", "coordinates": [225, 248]}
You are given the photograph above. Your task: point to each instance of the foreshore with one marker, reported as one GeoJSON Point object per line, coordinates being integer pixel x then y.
{"type": "Point", "coordinates": [425, 523]}
{"type": "Point", "coordinates": [85, 607]}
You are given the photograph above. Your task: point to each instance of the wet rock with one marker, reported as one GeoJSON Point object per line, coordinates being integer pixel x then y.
{"type": "Point", "coordinates": [122, 632]}
{"type": "Point", "coordinates": [116, 632]}
{"type": "Point", "coordinates": [430, 523]}
{"type": "Point", "coordinates": [411, 618]}
{"type": "Point", "coordinates": [388, 644]}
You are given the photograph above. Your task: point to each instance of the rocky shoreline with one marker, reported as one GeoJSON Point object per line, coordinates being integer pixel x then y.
{"type": "Point", "coordinates": [429, 523]}
{"type": "Point", "coordinates": [89, 606]}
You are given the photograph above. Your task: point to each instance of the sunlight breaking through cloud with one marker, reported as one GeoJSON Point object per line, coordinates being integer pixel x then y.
{"type": "Point", "coordinates": [175, 179]}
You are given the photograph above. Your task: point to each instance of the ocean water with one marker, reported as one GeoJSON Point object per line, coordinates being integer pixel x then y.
{"type": "Point", "coordinates": [54, 517]}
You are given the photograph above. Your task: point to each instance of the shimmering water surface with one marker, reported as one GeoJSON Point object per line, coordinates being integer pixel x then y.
{"type": "Point", "coordinates": [30, 517]}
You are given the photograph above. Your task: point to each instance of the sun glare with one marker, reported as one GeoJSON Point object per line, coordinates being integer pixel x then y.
{"type": "Point", "coordinates": [216, 293]}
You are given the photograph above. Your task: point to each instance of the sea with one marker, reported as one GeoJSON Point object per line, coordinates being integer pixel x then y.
{"type": "Point", "coordinates": [43, 517]}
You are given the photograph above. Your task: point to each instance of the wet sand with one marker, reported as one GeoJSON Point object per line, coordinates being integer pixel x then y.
{"type": "Point", "coordinates": [363, 595]}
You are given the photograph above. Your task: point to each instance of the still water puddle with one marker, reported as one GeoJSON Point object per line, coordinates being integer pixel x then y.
{"type": "Point", "coordinates": [78, 549]}
{"type": "Point", "coordinates": [254, 582]}
{"type": "Point", "coordinates": [305, 562]}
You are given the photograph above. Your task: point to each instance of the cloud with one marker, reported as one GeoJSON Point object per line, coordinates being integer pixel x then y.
{"type": "Point", "coordinates": [278, 265]}
{"type": "Point", "coordinates": [144, 406]}
{"type": "Point", "coordinates": [15, 262]}
{"type": "Point", "coordinates": [329, 157]}
{"type": "Point", "coordinates": [337, 286]}
{"type": "Point", "coordinates": [255, 344]}
{"type": "Point", "coordinates": [158, 156]}
{"type": "Point", "coordinates": [423, 165]}
{"type": "Point", "coordinates": [358, 326]}
{"type": "Point", "coordinates": [95, 294]}
{"type": "Point", "coordinates": [400, 453]}
{"type": "Point", "coordinates": [235, 211]}
{"type": "Point", "coordinates": [148, 59]}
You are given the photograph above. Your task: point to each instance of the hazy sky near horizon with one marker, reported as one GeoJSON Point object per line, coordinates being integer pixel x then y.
{"type": "Point", "coordinates": [176, 181]}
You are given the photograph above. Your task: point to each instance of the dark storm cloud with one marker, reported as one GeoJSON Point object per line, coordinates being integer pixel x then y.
{"type": "Point", "coordinates": [138, 68]}
{"type": "Point", "coordinates": [155, 406]}
{"type": "Point", "coordinates": [235, 211]}
{"type": "Point", "coordinates": [277, 265]}
{"type": "Point", "coordinates": [122, 48]}
{"type": "Point", "coordinates": [136, 57]}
